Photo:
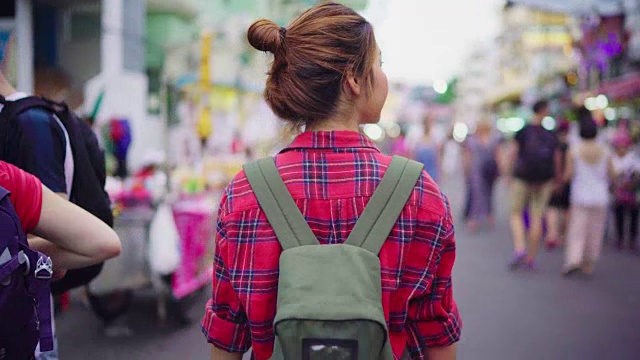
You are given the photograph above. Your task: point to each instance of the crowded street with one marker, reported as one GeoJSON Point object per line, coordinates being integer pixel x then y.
{"type": "Point", "coordinates": [319, 179]}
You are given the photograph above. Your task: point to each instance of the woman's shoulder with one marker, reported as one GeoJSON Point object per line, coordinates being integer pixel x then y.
{"type": "Point", "coordinates": [238, 195]}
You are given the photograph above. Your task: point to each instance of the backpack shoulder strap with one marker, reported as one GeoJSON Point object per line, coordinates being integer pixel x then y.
{"type": "Point", "coordinates": [13, 108]}
{"type": "Point", "coordinates": [10, 110]}
{"type": "Point", "coordinates": [386, 204]}
{"type": "Point", "coordinates": [275, 200]}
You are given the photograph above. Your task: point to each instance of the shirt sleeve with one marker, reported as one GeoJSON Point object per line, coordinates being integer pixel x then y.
{"type": "Point", "coordinates": [41, 148]}
{"type": "Point", "coordinates": [225, 322]}
{"type": "Point", "coordinates": [26, 194]}
{"type": "Point", "coordinates": [433, 319]}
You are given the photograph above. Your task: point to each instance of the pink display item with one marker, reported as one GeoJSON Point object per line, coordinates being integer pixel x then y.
{"type": "Point", "coordinates": [195, 221]}
{"type": "Point", "coordinates": [622, 139]}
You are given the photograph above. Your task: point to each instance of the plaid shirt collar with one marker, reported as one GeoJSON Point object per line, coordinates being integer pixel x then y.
{"type": "Point", "coordinates": [335, 140]}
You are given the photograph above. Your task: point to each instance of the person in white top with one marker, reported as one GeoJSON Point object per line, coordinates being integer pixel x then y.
{"type": "Point", "coordinates": [627, 166]}
{"type": "Point", "coordinates": [589, 168]}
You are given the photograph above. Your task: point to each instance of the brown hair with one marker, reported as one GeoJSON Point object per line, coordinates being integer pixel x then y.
{"type": "Point", "coordinates": [311, 58]}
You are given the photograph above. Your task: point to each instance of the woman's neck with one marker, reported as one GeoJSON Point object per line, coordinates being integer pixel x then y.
{"type": "Point", "coordinates": [335, 123]}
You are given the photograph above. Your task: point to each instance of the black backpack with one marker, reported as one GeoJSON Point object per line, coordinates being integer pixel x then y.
{"type": "Point", "coordinates": [89, 170]}
{"type": "Point", "coordinates": [535, 163]}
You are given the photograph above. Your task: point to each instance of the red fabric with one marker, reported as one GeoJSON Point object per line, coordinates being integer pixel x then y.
{"type": "Point", "coordinates": [331, 176]}
{"type": "Point", "coordinates": [26, 194]}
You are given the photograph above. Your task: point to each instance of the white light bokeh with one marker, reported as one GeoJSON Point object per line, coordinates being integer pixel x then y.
{"type": "Point", "coordinates": [602, 102]}
{"type": "Point", "coordinates": [440, 86]}
{"type": "Point", "coordinates": [549, 123]}
{"type": "Point", "coordinates": [591, 103]}
{"type": "Point", "coordinates": [460, 132]}
{"type": "Point", "coordinates": [374, 132]}
{"type": "Point", "coordinates": [610, 114]}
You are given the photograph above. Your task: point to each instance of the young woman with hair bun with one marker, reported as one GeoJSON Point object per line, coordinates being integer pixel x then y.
{"type": "Point", "coordinates": [326, 78]}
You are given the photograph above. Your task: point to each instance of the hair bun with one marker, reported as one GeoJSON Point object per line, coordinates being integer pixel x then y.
{"type": "Point", "coordinates": [264, 35]}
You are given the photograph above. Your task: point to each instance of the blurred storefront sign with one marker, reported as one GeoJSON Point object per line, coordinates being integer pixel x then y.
{"type": "Point", "coordinates": [579, 7]}
{"type": "Point", "coordinates": [602, 47]}
{"type": "Point", "coordinates": [623, 88]}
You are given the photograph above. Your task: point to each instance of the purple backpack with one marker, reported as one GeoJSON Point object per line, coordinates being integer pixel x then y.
{"type": "Point", "coordinates": [25, 276]}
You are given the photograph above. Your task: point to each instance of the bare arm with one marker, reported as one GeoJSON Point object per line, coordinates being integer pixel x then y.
{"type": "Point", "coordinates": [219, 354]}
{"type": "Point", "coordinates": [47, 247]}
{"type": "Point", "coordinates": [557, 164]}
{"type": "Point", "coordinates": [611, 171]}
{"type": "Point", "coordinates": [442, 353]}
{"type": "Point", "coordinates": [568, 170]}
{"type": "Point", "coordinates": [512, 157]}
{"type": "Point", "coordinates": [466, 161]}
{"type": "Point", "coordinates": [75, 237]}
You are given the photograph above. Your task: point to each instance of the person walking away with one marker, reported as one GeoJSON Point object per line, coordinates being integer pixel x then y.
{"type": "Point", "coordinates": [556, 216]}
{"type": "Point", "coordinates": [481, 171]}
{"type": "Point", "coordinates": [627, 168]}
{"type": "Point", "coordinates": [428, 151]}
{"type": "Point", "coordinates": [25, 274]}
{"type": "Point", "coordinates": [589, 168]}
{"type": "Point", "coordinates": [536, 156]}
{"type": "Point", "coordinates": [327, 71]}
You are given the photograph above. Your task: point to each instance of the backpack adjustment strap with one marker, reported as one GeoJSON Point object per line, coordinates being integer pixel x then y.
{"type": "Point", "coordinates": [279, 207]}
{"type": "Point", "coordinates": [382, 212]}
{"type": "Point", "coordinates": [39, 286]}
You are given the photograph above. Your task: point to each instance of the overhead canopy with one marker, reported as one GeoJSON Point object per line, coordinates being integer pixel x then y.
{"type": "Point", "coordinates": [510, 91]}
{"type": "Point", "coordinates": [623, 88]}
{"type": "Point", "coordinates": [583, 7]}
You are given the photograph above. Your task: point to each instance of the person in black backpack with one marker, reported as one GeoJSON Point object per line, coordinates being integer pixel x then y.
{"type": "Point", "coordinates": [537, 160]}
{"type": "Point", "coordinates": [49, 141]}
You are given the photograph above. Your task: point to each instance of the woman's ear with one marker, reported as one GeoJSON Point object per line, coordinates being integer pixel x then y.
{"type": "Point", "coordinates": [351, 85]}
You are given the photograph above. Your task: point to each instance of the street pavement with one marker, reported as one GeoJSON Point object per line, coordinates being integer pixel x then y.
{"type": "Point", "coordinates": [506, 315]}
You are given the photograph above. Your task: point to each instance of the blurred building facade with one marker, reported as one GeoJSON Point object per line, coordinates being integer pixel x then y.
{"type": "Point", "coordinates": [136, 57]}
{"type": "Point", "coordinates": [480, 76]}
{"type": "Point", "coordinates": [535, 50]}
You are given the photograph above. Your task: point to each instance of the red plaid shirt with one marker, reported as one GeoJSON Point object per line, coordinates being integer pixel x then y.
{"type": "Point", "coordinates": [331, 176]}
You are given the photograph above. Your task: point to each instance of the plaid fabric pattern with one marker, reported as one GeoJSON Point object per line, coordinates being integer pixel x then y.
{"type": "Point", "coordinates": [331, 176]}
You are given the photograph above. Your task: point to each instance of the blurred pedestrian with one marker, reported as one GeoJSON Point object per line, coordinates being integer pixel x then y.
{"type": "Point", "coordinates": [400, 145]}
{"type": "Point", "coordinates": [627, 168]}
{"type": "Point", "coordinates": [429, 152]}
{"type": "Point", "coordinates": [556, 216]}
{"type": "Point", "coordinates": [327, 76]}
{"type": "Point", "coordinates": [536, 157]}
{"type": "Point", "coordinates": [480, 159]}
{"type": "Point", "coordinates": [589, 168]}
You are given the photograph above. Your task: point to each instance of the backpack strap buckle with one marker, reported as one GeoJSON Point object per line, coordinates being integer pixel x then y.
{"type": "Point", "coordinates": [24, 259]}
{"type": "Point", "coordinates": [44, 268]}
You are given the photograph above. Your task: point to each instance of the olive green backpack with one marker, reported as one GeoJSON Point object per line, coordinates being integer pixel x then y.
{"type": "Point", "coordinates": [330, 296]}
